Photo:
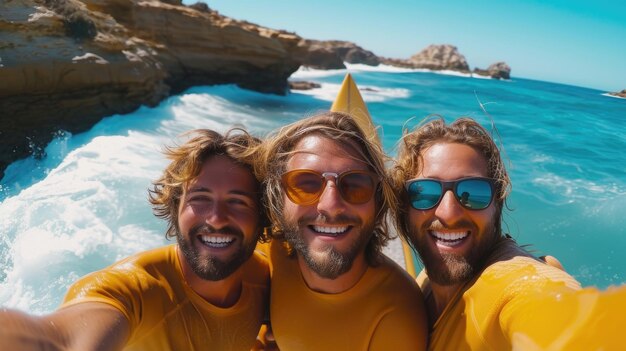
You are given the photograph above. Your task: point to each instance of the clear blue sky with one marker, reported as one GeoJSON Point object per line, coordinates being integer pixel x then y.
{"type": "Point", "coordinates": [577, 42]}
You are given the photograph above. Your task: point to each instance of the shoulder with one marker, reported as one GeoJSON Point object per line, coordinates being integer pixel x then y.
{"type": "Point", "coordinates": [152, 262]}
{"type": "Point", "coordinates": [509, 261]}
{"type": "Point", "coordinates": [157, 258]}
{"type": "Point", "coordinates": [124, 283]}
{"type": "Point", "coordinates": [512, 274]}
{"type": "Point", "coordinates": [528, 272]}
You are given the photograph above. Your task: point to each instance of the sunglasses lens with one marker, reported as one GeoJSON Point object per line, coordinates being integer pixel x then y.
{"type": "Point", "coordinates": [424, 194]}
{"type": "Point", "coordinates": [302, 187]}
{"type": "Point", "coordinates": [357, 188]}
{"type": "Point", "coordinates": [474, 194]}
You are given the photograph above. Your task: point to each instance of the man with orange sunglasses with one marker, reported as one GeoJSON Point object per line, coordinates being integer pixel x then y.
{"type": "Point", "coordinates": [332, 288]}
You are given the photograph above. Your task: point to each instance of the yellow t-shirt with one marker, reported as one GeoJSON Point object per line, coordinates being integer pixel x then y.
{"type": "Point", "coordinates": [165, 313]}
{"type": "Point", "coordinates": [482, 314]}
{"type": "Point", "coordinates": [383, 311]}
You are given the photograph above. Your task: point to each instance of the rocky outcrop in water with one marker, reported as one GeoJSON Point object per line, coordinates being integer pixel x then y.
{"type": "Point", "coordinates": [621, 94]}
{"type": "Point", "coordinates": [65, 64]}
{"type": "Point", "coordinates": [331, 54]}
{"type": "Point", "coordinates": [434, 57]}
{"type": "Point", "coordinates": [303, 85]}
{"type": "Point", "coordinates": [498, 70]}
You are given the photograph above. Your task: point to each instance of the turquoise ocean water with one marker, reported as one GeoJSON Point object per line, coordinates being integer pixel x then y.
{"type": "Point", "coordinates": [84, 205]}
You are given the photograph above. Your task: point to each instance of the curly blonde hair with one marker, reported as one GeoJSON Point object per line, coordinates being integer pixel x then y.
{"type": "Point", "coordinates": [341, 128]}
{"type": "Point", "coordinates": [186, 164]}
{"type": "Point", "coordinates": [464, 131]}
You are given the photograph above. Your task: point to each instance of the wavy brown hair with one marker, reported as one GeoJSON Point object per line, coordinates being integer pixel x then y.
{"type": "Point", "coordinates": [186, 164]}
{"type": "Point", "coordinates": [341, 128]}
{"type": "Point", "coordinates": [464, 131]}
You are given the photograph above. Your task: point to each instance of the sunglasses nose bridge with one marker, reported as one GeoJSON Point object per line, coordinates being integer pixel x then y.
{"type": "Point", "coordinates": [328, 175]}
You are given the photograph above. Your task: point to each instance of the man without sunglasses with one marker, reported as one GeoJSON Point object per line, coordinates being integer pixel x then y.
{"type": "Point", "coordinates": [332, 288]}
{"type": "Point", "coordinates": [207, 292]}
{"type": "Point", "coordinates": [477, 280]}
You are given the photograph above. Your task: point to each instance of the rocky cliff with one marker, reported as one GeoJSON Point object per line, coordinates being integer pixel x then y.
{"type": "Point", "coordinates": [331, 54]}
{"type": "Point", "coordinates": [65, 64]}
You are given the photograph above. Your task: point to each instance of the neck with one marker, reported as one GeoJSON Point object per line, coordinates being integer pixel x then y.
{"type": "Point", "coordinates": [441, 296]}
{"type": "Point", "coordinates": [221, 293]}
{"type": "Point", "coordinates": [338, 285]}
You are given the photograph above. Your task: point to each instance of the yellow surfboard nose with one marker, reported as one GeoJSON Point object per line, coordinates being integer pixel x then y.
{"type": "Point", "coordinates": [350, 101]}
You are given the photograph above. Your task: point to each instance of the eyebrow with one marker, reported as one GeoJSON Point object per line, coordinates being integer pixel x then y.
{"type": "Point", "coordinates": [201, 189]}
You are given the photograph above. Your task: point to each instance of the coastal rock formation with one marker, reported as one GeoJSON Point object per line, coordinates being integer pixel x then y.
{"type": "Point", "coordinates": [65, 64]}
{"type": "Point", "coordinates": [303, 85]}
{"type": "Point", "coordinates": [440, 57]}
{"type": "Point", "coordinates": [434, 57]}
{"type": "Point", "coordinates": [621, 94]}
{"type": "Point", "coordinates": [498, 70]}
{"type": "Point", "coordinates": [332, 54]}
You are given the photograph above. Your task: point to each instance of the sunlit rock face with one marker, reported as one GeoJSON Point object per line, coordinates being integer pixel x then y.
{"type": "Point", "coordinates": [65, 64]}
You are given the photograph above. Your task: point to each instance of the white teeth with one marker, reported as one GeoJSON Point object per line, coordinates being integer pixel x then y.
{"type": "Point", "coordinates": [450, 236]}
{"type": "Point", "coordinates": [330, 230]}
{"type": "Point", "coordinates": [216, 241]}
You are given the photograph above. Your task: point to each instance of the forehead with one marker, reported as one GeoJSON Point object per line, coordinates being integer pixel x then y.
{"type": "Point", "coordinates": [324, 154]}
{"type": "Point", "coordinates": [221, 173]}
{"type": "Point", "coordinates": [452, 161]}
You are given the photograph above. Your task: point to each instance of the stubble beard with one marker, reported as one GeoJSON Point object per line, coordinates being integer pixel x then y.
{"type": "Point", "coordinates": [448, 268]}
{"type": "Point", "coordinates": [328, 263]}
{"type": "Point", "coordinates": [209, 267]}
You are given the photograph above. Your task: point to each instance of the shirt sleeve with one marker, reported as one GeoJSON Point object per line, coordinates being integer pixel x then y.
{"type": "Point", "coordinates": [120, 289]}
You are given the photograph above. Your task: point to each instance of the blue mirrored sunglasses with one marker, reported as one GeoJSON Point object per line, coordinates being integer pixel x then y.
{"type": "Point", "coordinates": [472, 193]}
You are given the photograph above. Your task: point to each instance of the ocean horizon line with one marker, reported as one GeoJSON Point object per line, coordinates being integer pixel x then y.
{"type": "Point", "coordinates": [301, 73]}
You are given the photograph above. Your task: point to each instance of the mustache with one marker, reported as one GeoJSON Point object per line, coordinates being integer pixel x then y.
{"type": "Point", "coordinates": [322, 219]}
{"type": "Point", "coordinates": [437, 225]}
{"type": "Point", "coordinates": [208, 229]}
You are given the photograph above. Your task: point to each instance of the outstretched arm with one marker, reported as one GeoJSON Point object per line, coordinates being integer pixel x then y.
{"type": "Point", "coordinates": [588, 319]}
{"type": "Point", "coordinates": [84, 326]}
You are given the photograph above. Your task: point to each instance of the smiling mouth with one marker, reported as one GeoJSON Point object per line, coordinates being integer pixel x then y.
{"type": "Point", "coordinates": [333, 231]}
{"type": "Point", "coordinates": [450, 239]}
{"type": "Point", "coordinates": [216, 242]}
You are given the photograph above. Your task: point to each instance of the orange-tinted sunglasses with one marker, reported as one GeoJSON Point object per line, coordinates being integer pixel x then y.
{"type": "Point", "coordinates": [305, 186]}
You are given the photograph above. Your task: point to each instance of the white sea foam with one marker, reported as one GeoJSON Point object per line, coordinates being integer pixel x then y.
{"type": "Point", "coordinates": [78, 219]}
{"type": "Point", "coordinates": [574, 189]}
{"type": "Point", "coordinates": [394, 69]}
{"type": "Point", "coordinates": [613, 96]}
{"type": "Point", "coordinates": [309, 73]}
{"type": "Point", "coordinates": [378, 68]}
{"type": "Point", "coordinates": [202, 110]}
{"type": "Point", "coordinates": [478, 76]}
{"type": "Point", "coordinates": [329, 91]}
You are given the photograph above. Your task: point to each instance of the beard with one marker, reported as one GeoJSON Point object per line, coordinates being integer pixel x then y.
{"type": "Point", "coordinates": [449, 268]}
{"type": "Point", "coordinates": [329, 262]}
{"type": "Point", "coordinates": [212, 268]}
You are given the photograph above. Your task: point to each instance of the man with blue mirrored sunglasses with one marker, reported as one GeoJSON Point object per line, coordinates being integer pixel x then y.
{"type": "Point", "coordinates": [476, 280]}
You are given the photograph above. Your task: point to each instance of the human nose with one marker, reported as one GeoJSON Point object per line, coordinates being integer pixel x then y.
{"type": "Point", "coordinates": [217, 215]}
{"type": "Point", "coordinates": [449, 210]}
{"type": "Point", "coordinates": [330, 203]}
